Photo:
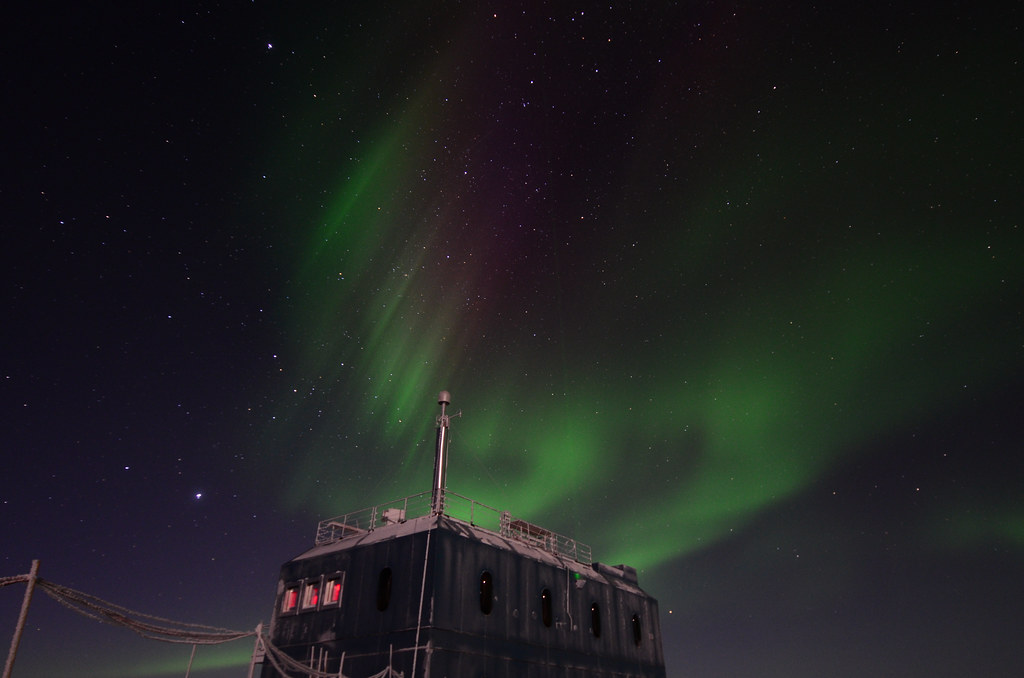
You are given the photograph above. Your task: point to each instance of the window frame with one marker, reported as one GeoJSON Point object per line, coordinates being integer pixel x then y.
{"type": "Point", "coordinates": [311, 594]}
{"type": "Point", "coordinates": [338, 578]}
{"type": "Point", "coordinates": [290, 599]}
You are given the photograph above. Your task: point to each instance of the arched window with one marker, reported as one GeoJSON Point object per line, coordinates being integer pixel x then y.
{"type": "Point", "coordinates": [486, 592]}
{"type": "Point", "coordinates": [637, 631]}
{"type": "Point", "coordinates": [595, 619]}
{"type": "Point", "coordinates": [545, 607]}
{"type": "Point", "coordinates": [384, 589]}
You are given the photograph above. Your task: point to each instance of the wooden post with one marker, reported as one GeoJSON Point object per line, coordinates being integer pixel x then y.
{"type": "Point", "coordinates": [32, 576]}
{"type": "Point", "coordinates": [188, 669]}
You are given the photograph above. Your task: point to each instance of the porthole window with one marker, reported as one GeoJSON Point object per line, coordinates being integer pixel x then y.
{"type": "Point", "coordinates": [486, 592]}
{"type": "Point", "coordinates": [545, 607]}
{"type": "Point", "coordinates": [637, 631]}
{"type": "Point", "coordinates": [595, 620]}
{"type": "Point", "coordinates": [384, 589]}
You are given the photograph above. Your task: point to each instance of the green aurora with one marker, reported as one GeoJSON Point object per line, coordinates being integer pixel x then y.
{"type": "Point", "coordinates": [707, 368]}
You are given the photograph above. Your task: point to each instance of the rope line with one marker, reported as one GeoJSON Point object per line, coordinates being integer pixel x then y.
{"type": "Point", "coordinates": [17, 579]}
{"type": "Point", "coordinates": [171, 631]}
{"type": "Point", "coordinates": [146, 625]}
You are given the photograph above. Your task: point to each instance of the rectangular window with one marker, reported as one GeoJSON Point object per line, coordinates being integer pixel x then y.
{"type": "Point", "coordinates": [332, 591]}
{"type": "Point", "coordinates": [290, 599]}
{"type": "Point", "coordinates": [310, 595]}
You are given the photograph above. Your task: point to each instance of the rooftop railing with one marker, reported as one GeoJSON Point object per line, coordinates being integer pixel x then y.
{"type": "Point", "coordinates": [454, 506]}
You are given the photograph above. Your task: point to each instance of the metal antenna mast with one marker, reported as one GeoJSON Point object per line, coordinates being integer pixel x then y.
{"type": "Point", "coordinates": [444, 399]}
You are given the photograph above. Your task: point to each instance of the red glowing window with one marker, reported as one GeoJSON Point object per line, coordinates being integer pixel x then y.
{"type": "Point", "coordinates": [311, 595]}
{"type": "Point", "coordinates": [332, 592]}
{"type": "Point", "coordinates": [290, 600]}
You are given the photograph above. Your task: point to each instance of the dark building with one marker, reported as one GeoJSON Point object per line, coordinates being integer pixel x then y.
{"type": "Point", "coordinates": [438, 585]}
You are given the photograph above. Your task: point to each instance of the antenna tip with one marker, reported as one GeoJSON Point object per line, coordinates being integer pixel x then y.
{"type": "Point", "coordinates": [444, 398]}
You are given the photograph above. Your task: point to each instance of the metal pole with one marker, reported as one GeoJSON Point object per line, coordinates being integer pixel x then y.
{"type": "Point", "coordinates": [441, 456]}
{"type": "Point", "coordinates": [32, 576]}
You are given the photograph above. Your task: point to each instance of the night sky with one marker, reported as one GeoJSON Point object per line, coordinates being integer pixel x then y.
{"type": "Point", "coordinates": [731, 293]}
